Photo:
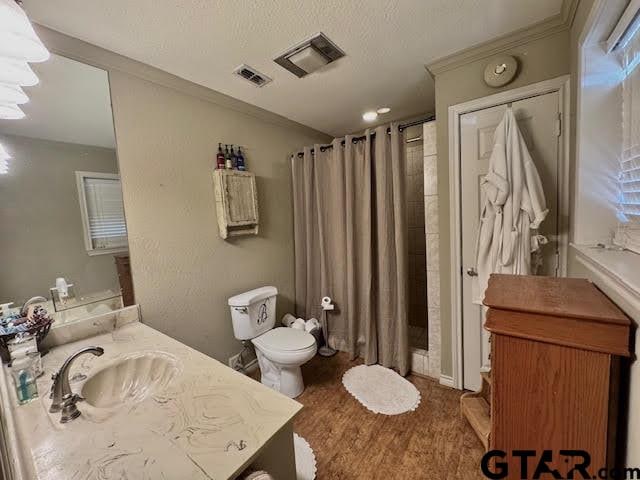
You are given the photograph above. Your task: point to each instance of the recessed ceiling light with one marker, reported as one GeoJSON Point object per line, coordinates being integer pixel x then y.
{"type": "Point", "coordinates": [369, 116]}
{"type": "Point", "coordinates": [382, 110]}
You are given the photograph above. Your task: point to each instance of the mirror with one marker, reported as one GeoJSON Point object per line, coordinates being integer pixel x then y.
{"type": "Point", "coordinates": [64, 232]}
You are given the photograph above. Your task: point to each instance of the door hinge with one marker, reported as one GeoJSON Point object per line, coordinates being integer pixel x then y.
{"type": "Point", "coordinates": [557, 273]}
{"type": "Point", "coordinates": [559, 125]}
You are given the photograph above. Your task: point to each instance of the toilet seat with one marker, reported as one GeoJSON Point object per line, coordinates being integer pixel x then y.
{"type": "Point", "coordinates": [284, 339]}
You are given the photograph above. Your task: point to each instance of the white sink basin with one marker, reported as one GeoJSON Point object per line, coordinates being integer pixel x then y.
{"type": "Point", "coordinates": [130, 380]}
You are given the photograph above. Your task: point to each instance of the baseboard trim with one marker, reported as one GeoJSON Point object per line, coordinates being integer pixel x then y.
{"type": "Point", "coordinates": [447, 381]}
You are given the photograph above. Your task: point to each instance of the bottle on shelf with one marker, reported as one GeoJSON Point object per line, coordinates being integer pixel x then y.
{"type": "Point", "coordinates": [240, 161]}
{"type": "Point", "coordinates": [228, 162]}
{"type": "Point", "coordinates": [220, 157]}
{"type": "Point", "coordinates": [234, 159]}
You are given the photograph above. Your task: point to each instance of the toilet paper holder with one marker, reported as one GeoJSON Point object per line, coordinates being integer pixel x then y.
{"type": "Point", "coordinates": [326, 304]}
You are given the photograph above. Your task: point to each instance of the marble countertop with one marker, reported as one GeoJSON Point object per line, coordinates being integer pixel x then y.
{"type": "Point", "coordinates": [209, 423]}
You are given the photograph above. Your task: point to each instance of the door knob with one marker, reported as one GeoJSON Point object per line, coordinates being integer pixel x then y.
{"type": "Point", "coordinates": [472, 272]}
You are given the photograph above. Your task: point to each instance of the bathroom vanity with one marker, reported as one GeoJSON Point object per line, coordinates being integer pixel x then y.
{"type": "Point", "coordinates": [153, 408]}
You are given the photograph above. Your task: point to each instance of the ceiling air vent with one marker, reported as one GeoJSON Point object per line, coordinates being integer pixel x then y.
{"type": "Point", "coordinates": [310, 55]}
{"type": "Point", "coordinates": [252, 75]}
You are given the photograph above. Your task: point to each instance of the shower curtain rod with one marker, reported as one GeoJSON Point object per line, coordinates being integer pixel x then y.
{"type": "Point", "coordinates": [401, 127]}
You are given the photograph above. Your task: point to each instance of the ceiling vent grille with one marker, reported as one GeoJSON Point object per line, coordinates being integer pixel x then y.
{"type": "Point", "coordinates": [250, 74]}
{"type": "Point", "coordinates": [310, 55]}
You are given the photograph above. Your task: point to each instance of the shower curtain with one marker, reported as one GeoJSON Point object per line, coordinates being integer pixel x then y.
{"type": "Point", "coordinates": [351, 244]}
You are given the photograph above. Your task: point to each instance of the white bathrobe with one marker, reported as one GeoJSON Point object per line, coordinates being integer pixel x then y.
{"type": "Point", "coordinates": [513, 209]}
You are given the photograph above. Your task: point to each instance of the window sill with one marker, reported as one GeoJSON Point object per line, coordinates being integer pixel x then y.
{"type": "Point", "coordinates": [618, 270]}
{"type": "Point", "coordinates": [106, 251]}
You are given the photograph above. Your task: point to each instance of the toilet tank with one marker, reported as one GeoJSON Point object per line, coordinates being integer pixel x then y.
{"type": "Point", "coordinates": [253, 313]}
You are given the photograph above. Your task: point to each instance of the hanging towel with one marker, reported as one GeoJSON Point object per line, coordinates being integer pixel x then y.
{"type": "Point", "coordinates": [513, 209]}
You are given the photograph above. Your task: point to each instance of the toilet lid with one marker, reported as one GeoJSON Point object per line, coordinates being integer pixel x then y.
{"type": "Point", "coordinates": [285, 339]}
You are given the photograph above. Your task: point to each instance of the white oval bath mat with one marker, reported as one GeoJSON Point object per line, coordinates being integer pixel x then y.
{"type": "Point", "coordinates": [381, 389]}
{"type": "Point", "coordinates": [305, 459]}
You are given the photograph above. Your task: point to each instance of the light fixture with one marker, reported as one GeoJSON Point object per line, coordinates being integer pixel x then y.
{"type": "Point", "coordinates": [310, 55]}
{"type": "Point", "coordinates": [18, 40]}
{"type": "Point", "coordinates": [309, 59]}
{"type": "Point", "coordinates": [19, 45]}
{"type": "Point", "coordinates": [10, 111]}
{"type": "Point", "coordinates": [369, 116]}
{"type": "Point", "coordinates": [12, 94]}
{"type": "Point", "coordinates": [383, 110]}
{"type": "Point", "coordinates": [13, 72]}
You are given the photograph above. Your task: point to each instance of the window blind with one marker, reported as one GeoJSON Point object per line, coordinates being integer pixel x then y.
{"type": "Point", "coordinates": [630, 157]}
{"type": "Point", "coordinates": [105, 213]}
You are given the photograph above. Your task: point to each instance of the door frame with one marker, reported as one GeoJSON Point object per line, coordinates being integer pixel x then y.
{"type": "Point", "coordinates": [560, 85]}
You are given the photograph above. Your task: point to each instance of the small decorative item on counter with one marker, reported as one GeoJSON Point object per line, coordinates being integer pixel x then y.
{"type": "Point", "coordinates": [240, 165]}
{"type": "Point", "coordinates": [24, 378]}
{"type": "Point", "coordinates": [36, 358]}
{"type": "Point", "coordinates": [6, 310]}
{"type": "Point", "coordinates": [37, 322]}
{"type": "Point", "coordinates": [21, 345]}
{"type": "Point", "coordinates": [220, 157]}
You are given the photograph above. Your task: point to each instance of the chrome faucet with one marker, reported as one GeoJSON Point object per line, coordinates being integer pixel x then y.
{"type": "Point", "coordinates": [28, 303]}
{"type": "Point", "coordinates": [63, 398]}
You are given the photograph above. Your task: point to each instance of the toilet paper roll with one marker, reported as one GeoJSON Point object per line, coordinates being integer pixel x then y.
{"type": "Point", "coordinates": [298, 324]}
{"type": "Point", "coordinates": [311, 324]}
{"type": "Point", "coordinates": [326, 303]}
{"type": "Point", "coordinates": [288, 320]}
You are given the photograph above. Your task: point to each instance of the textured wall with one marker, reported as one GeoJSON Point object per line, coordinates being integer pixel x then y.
{"type": "Point", "coordinates": [183, 272]}
{"type": "Point", "coordinates": [39, 209]}
{"type": "Point", "coordinates": [539, 60]}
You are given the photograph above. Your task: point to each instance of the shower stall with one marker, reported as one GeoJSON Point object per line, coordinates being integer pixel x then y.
{"type": "Point", "coordinates": [423, 248]}
{"type": "Point", "coordinates": [417, 311]}
{"type": "Point", "coordinates": [366, 234]}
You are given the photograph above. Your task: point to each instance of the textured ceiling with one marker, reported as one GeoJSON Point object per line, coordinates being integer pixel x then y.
{"type": "Point", "coordinates": [387, 45]}
{"type": "Point", "coordinates": [70, 104]}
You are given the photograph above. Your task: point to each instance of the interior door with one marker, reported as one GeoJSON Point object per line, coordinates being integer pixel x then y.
{"type": "Point", "coordinates": [538, 119]}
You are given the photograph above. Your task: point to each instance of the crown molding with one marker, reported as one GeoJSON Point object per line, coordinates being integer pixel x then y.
{"type": "Point", "coordinates": [76, 49]}
{"type": "Point", "coordinates": [550, 26]}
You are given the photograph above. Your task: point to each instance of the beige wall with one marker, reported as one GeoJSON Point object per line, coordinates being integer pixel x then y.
{"type": "Point", "coordinates": [540, 60]}
{"type": "Point", "coordinates": [183, 271]}
{"type": "Point", "coordinates": [42, 236]}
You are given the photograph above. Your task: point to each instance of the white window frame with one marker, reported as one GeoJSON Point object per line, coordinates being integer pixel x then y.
{"type": "Point", "coordinates": [82, 197]}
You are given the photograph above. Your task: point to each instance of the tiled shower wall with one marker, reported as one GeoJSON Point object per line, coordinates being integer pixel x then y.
{"type": "Point", "coordinates": [432, 365]}
{"type": "Point", "coordinates": [417, 241]}
{"type": "Point", "coordinates": [426, 361]}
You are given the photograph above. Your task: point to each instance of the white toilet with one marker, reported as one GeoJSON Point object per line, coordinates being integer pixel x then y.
{"type": "Point", "coordinates": [281, 351]}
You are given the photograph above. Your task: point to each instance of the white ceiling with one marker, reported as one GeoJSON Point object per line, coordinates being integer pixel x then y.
{"type": "Point", "coordinates": [70, 104]}
{"type": "Point", "coordinates": [387, 45]}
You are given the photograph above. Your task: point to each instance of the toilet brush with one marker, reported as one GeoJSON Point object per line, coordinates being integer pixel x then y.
{"type": "Point", "coordinates": [326, 350]}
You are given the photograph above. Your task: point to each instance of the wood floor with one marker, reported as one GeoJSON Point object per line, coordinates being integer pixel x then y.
{"type": "Point", "coordinates": [434, 442]}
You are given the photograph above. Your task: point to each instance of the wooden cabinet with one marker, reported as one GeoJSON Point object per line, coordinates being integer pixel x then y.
{"type": "Point", "coordinates": [555, 352]}
{"type": "Point", "coordinates": [236, 203]}
{"type": "Point", "coordinates": [123, 266]}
